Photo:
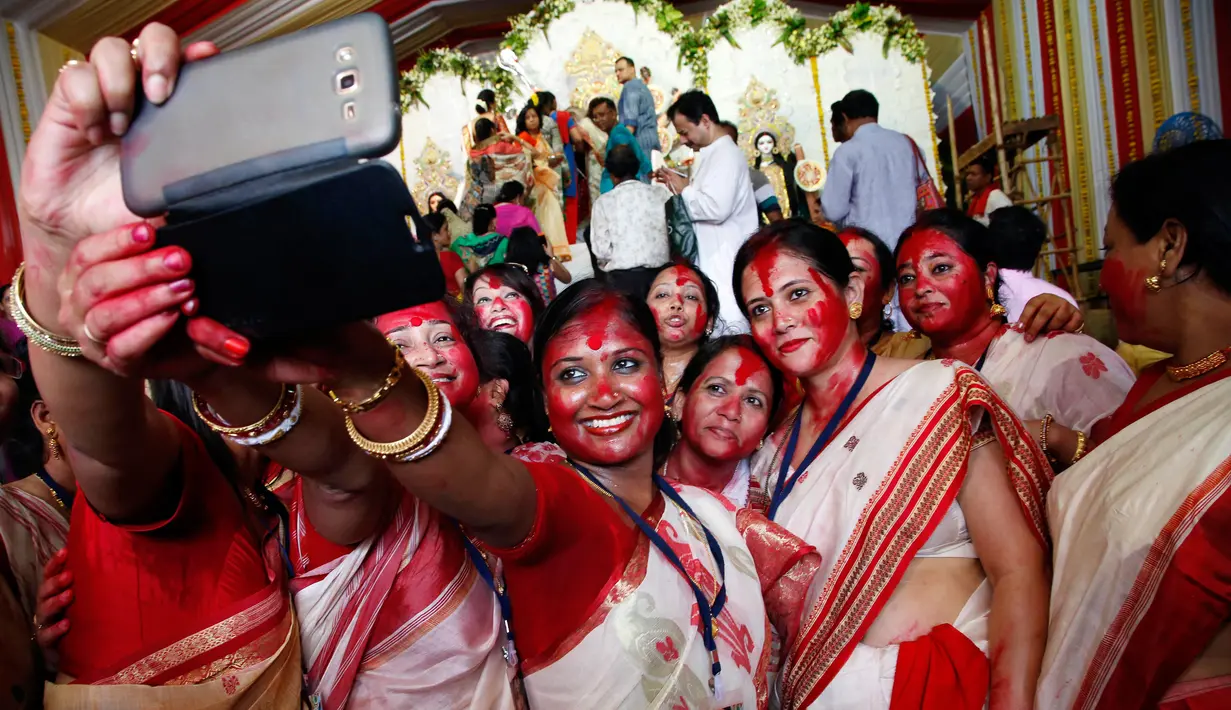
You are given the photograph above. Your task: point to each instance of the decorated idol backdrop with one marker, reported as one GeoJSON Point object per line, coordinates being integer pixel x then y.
{"type": "Point", "coordinates": [573, 55]}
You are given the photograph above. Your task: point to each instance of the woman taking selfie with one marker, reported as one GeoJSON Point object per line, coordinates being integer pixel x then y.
{"type": "Point", "coordinates": [725, 403]}
{"type": "Point", "coordinates": [685, 307]}
{"type": "Point", "coordinates": [164, 549]}
{"type": "Point", "coordinates": [1065, 381]}
{"type": "Point", "coordinates": [546, 194]}
{"type": "Point", "coordinates": [505, 299]}
{"type": "Point", "coordinates": [1139, 611]}
{"type": "Point", "coordinates": [917, 465]}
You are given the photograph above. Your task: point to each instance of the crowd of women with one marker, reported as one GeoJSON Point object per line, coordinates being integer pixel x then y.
{"type": "Point", "coordinates": [594, 501]}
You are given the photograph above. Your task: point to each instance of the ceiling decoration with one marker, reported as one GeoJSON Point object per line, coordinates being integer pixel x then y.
{"type": "Point", "coordinates": [416, 24]}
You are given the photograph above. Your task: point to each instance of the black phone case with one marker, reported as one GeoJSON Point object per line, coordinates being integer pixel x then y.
{"type": "Point", "coordinates": [306, 250]}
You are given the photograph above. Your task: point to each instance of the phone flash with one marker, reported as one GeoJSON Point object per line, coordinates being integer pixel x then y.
{"type": "Point", "coordinates": [345, 54]}
{"type": "Point", "coordinates": [348, 110]}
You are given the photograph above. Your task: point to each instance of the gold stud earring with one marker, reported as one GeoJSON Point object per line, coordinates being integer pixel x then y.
{"type": "Point", "coordinates": [997, 309]}
{"type": "Point", "coordinates": [1154, 284]}
{"type": "Point", "coordinates": [856, 310]}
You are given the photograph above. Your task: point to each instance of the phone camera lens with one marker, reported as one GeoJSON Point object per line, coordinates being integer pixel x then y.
{"type": "Point", "coordinates": [348, 81]}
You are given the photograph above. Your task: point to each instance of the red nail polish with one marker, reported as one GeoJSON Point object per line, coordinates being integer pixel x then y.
{"type": "Point", "coordinates": [181, 286]}
{"type": "Point", "coordinates": [174, 260]}
{"type": "Point", "coordinates": [236, 347]}
{"type": "Point", "coordinates": [142, 234]}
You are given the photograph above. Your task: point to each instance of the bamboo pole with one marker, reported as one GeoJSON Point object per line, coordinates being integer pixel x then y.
{"type": "Point", "coordinates": [997, 127]}
{"type": "Point", "coordinates": [957, 175]}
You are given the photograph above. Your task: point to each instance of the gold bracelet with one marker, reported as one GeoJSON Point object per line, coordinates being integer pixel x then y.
{"type": "Point", "coordinates": [391, 380]}
{"type": "Point", "coordinates": [35, 333]}
{"type": "Point", "coordinates": [1081, 448]}
{"type": "Point", "coordinates": [402, 447]}
{"type": "Point", "coordinates": [1043, 426]}
{"type": "Point", "coordinates": [212, 421]}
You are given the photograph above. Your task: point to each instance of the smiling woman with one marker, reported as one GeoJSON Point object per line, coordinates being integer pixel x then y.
{"type": "Point", "coordinates": [947, 469]}
{"type": "Point", "coordinates": [685, 306]}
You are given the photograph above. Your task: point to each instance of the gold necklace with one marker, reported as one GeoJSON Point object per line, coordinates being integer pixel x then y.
{"type": "Point", "coordinates": [55, 496]}
{"type": "Point", "coordinates": [1210, 362]}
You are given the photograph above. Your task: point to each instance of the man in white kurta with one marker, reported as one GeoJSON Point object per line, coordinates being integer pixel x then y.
{"type": "Point", "coordinates": [718, 196]}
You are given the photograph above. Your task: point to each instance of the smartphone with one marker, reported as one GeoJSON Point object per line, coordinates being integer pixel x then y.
{"type": "Point", "coordinates": [335, 249]}
{"type": "Point", "coordinates": [325, 93]}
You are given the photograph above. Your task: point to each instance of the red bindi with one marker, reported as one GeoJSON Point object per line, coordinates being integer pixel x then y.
{"type": "Point", "coordinates": [595, 342]}
{"type": "Point", "coordinates": [416, 321]}
{"type": "Point", "coordinates": [493, 281]}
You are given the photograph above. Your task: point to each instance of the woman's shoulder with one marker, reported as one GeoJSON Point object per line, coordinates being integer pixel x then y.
{"type": "Point", "coordinates": [910, 345]}
{"type": "Point", "coordinates": [1093, 356]}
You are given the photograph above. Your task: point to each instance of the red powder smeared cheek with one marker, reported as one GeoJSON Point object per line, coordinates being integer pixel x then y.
{"type": "Point", "coordinates": [700, 321]}
{"type": "Point", "coordinates": [1125, 290]}
{"type": "Point", "coordinates": [749, 365]}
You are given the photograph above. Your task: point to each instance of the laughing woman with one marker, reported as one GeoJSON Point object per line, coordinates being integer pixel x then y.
{"type": "Point", "coordinates": [916, 483]}
{"type": "Point", "coordinates": [726, 400]}
{"type": "Point", "coordinates": [505, 299]}
{"type": "Point", "coordinates": [1065, 381]}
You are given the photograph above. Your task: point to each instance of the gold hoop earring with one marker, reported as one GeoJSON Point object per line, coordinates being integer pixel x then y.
{"type": "Point", "coordinates": [1154, 284]}
{"type": "Point", "coordinates": [856, 310]}
{"type": "Point", "coordinates": [53, 444]}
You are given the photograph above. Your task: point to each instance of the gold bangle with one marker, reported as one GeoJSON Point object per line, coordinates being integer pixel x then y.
{"type": "Point", "coordinates": [35, 333]}
{"type": "Point", "coordinates": [391, 380]}
{"type": "Point", "coordinates": [1081, 448]}
{"type": "Point", "coordinates": [407, 445]}
{"type": "Point", "coordinates": [213, 422]}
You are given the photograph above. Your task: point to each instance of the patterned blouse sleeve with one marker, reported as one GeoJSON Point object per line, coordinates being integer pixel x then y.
{"type": "Point", "coordinates": [1087, 382]}
{"type": "Point", "coordinates": [785, 566]}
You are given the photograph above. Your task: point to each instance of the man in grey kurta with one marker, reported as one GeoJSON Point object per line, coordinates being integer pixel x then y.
{"type": "Point", "coordinates": [637, 106]}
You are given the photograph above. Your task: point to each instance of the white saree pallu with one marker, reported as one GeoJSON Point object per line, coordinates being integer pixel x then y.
{"type": "Point", "coordinates": [31, 531]}
{"type": "Point", "coordinates": [642, 648]}
{"type": "Point", "coordinates": [404, 621]}
{"type": "Point", "coordinates": [869, 502]}
{"type": "Point", "coordinates": [1073, 377]}
{"type": "Point", "coordinates": [1142, 579]}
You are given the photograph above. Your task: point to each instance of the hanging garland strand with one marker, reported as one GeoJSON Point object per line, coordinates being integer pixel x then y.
{"type": "Point", "coordinates": [800, 41]}
{"type": "Point", "coordinates": [454, 63]}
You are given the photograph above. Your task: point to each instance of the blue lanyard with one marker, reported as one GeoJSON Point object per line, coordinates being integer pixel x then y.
{"type": "Point", "coordinates": [502, 596]}
{"type": "Point", "coordinates": [708, 612]}
{"type": "Point", "coordinates": [785, 483]}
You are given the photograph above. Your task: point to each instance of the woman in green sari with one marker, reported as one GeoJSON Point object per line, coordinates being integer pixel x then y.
{"type": "Point", "coordinates": [484, 245]}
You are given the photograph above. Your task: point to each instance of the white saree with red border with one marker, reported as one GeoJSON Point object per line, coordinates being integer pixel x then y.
{"type": "Point", "coordinates": [1142, 579]}
{"type": "Point", "coordinates": [642, 647]}
{"type": "Point", "coordinates": [403, 620]}
{"type": "Point", "coordinates": [873, 497]}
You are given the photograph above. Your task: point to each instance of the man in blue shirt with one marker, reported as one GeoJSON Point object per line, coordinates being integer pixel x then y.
{"type": "Point", "coordinates": [602, 111]}
{"type": "Point", "coordinates": [637, 106]}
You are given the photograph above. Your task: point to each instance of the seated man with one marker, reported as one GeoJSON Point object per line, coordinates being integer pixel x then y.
{"type": "Point", "coordinates": [1018, 235]}
{"type": "Point", "coordinates": [628, 226]}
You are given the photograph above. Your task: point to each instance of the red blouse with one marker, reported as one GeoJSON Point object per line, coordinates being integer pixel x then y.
{"type": "Point", "coordinates": [140, 588]}
{"type": "Point", "coordinates": [577, 549]}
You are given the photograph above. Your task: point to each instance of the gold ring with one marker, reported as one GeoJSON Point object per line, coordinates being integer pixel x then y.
{"type": "Point", "coordinates": [85, 328]}
{"type": "Point", "coordinates": [69, 63]}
